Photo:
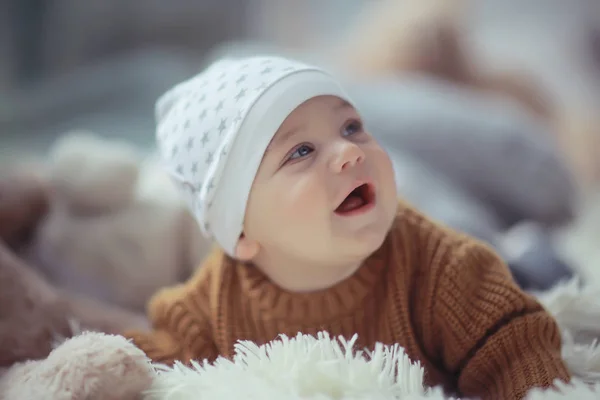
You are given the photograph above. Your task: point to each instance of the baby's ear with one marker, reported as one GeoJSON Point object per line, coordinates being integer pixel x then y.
{"type": "Point", "coordinates": [246, 248]}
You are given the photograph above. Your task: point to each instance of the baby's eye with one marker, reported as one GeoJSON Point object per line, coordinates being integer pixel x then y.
{"type": "Point", "coordinates": [302, 151]}
{"type": "Point", "coordinates": [352, 127]}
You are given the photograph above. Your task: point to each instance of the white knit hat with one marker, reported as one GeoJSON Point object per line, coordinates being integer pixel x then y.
{"type": "Point", "coordinates": [213, 129]}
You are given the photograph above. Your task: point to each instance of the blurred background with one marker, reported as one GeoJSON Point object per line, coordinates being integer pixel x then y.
{"type": "Point", "coordinates": [66, 64]}
{"type": "Point", "coordinates": [488, 108]}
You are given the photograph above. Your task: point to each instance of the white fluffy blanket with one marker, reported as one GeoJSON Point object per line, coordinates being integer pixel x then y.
{"type": "Point", "coordinates": [325, 368]}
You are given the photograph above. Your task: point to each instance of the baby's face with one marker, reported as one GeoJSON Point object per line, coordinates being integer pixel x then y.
{"type": "Point", "coordinates": [325, 189]}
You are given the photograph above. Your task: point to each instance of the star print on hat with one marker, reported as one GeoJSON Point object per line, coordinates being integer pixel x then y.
{"type": "Point", "coordinates": [213, 129]}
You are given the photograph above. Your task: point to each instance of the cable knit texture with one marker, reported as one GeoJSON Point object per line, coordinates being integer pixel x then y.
{"type": "Point", "coordinates": [446, 298]}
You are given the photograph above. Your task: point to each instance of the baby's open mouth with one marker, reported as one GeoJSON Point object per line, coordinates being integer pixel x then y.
{"type": "Point", "coordinates": [357, 201]}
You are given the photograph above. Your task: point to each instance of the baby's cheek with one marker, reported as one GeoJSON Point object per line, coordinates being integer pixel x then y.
{"type": "Point", "coordinates": [383, 164]}
{"type": "Point", "coordinates": [304, 201]}
{"type": "Point", "coordinates": [379, 154]}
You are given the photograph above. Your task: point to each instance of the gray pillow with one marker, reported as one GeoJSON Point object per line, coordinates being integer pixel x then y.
{"type": "Point", "coordinates": [440, 199]}
{"type": "Point", "coordinates": [485, 145]}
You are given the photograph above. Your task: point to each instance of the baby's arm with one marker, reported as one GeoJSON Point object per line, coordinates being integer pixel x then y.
{"type": "Point", "coordinates": [180, 323]}
{"type": "Point", "coordinates": [498, 341]}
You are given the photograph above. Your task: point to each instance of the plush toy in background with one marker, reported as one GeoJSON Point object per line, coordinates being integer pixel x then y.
{"type": "Point", "coordinates": [578, 134]}
{"type": "Point", "coordinates": [24, 201]}
{"type": "Point", "coordinates": [116, 230]}
{"type": "Point", "coordinates": [36, 364]}
{"type": "Point", "coordinates": [408, 36]}
{"type": "Point", "coordinates": [89, 366]}
{"type": "Point", "coordinates": [35, 318]}
{"type": "Point", "coordinates": [426, 37]}
{"type": "Point", "coordinates": [31, 312]}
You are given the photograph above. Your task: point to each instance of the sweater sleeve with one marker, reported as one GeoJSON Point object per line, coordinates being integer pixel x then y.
{"type": "Point", "coordinates": [495, 339]}
{"type": "Point", "coordinates": [180, 323]}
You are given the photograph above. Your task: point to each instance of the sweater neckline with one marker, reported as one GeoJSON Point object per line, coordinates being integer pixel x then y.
{"type": "Point", "coordinates": [318, 306]}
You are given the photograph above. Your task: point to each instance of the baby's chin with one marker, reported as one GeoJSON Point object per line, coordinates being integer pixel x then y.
{"type": "Point", "coordinates": [363, 244]}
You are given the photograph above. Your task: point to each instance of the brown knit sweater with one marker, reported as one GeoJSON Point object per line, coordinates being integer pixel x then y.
{"type": "Point", "coordinates": [447, 299]}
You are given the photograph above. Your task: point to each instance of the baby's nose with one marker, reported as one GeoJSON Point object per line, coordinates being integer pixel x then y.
{"type": "Point", "coordinates": [347, 156]}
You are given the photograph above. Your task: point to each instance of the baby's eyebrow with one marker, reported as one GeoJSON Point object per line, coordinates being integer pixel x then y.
{"type": "Point", "coordinates": [285, 136]}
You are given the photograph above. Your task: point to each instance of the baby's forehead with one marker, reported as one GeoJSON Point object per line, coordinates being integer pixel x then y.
{"type": "Point", "coordinates": [300, 116]}
{"type": "Point", "coordinates": [333, 102]}
{"type": "Point", "coordinates": [326, 104]}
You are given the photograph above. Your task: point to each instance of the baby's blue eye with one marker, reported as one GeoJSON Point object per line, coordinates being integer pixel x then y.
{"type": "Point", "coordinates": [301, 151]}
{"type": "Point", "coordinates": [352, 128]}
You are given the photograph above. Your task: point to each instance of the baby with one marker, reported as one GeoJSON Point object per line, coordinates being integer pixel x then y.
{"type": "Point", "coordinates": [281, 173]}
